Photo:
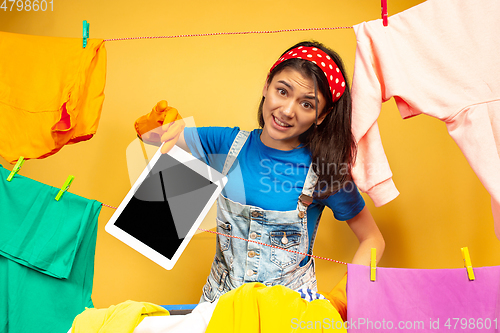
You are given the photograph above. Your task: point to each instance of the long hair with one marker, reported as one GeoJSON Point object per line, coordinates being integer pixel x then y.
{"type": "Point", "coordinates": [331, 143]}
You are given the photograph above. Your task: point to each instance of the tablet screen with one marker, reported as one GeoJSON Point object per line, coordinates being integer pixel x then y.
{"type": "Point", "coordinates": [166, 205]}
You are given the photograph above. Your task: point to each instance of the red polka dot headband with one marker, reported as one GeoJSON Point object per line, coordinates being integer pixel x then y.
{"type": "Point", "coordinates": [323, 61]}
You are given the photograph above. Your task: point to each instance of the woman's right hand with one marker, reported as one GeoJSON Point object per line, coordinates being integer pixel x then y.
{"type": "Point", "coordinates": [172, 128]}
{"type": "Point", "coordinates": [162, 125]}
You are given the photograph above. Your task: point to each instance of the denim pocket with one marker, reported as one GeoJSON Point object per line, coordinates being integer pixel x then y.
{"type": "Point", "coordinates": [224, 228]}
{"type": "Point", "coordinates": [289, 240]}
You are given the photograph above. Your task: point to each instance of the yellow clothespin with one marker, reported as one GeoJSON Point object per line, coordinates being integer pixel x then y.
{"type": "Point", "coordinates": [373, 264]}
{"type": "Point", "coordinates": [468, 263]}
{"type": "Point", "coordinates": [65, 187]}
{"type": "Point", "coordinates": [16, 169]}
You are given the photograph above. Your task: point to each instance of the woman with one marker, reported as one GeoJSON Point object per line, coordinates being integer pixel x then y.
{"type": "Point", "coordinates": [287, 171]}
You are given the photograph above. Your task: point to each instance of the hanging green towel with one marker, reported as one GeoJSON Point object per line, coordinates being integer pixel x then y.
{"type": "Point", "coordinates": [47, 252]}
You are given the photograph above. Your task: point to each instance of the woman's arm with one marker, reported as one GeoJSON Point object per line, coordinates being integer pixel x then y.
{"type": "Point", "coordinates": [173, 135]}
{"type": "Point", "coordinates": [364, 227]}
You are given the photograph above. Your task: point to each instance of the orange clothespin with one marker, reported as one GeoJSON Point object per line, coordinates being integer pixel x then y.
{"type": "Point", "coordinates": [468, 263]}
{"type": "Point", "coordinates": [384, 13]}
{"type": "Point", "coordinates": [373, 264]}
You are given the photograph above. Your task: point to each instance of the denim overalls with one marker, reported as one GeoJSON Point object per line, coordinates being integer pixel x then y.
{"type": "Point", "coordinates": [237, 261]}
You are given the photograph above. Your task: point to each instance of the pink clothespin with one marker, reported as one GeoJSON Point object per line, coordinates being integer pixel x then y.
{"type": "Point", "coordinates": [384, 13]}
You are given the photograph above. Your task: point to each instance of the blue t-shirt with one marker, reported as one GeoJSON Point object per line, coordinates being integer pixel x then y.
{"type": "Point", "coordinates": [265, 177]}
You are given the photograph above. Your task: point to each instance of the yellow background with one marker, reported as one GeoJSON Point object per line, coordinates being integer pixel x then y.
{"type": "Point", "coordinates": [218, 81]}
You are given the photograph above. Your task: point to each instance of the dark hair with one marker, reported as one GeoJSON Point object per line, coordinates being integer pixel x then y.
{"type": "Point", "coordinates": [331, 143]}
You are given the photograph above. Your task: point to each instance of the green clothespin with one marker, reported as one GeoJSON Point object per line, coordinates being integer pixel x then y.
{"type": "Point", "coordinates": [65, 187]}
{"type": "Point", "coordinates": [16, 169]}
{"type": "Point", "coordinates": [86, 33]}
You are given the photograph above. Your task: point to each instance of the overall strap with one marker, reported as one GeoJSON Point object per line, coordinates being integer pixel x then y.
{"type": "Point", "coordinates": [238, 143]}
{"type": "Point", "coordinates": [306, 197]}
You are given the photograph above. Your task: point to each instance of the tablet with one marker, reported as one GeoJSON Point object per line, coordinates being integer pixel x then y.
{"type": "Point", "coordinates": [166, 205]}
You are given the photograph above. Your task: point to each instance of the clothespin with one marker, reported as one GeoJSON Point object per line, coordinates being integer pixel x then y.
{"type": "Point", "coordinates": [65, 187]}
{"type": "Point", "coordinates": [16, 169]}
{"type": "Point", "coordinates": [86, 33]}
{"type": "Point", "coordinates": [373, 264]}
{"type": "Point", "coordinates": [384, 13]}
{"type": "Point", "coordinates": [468, 263]}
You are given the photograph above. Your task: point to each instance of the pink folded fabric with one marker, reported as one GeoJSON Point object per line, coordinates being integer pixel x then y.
{"type": "Point", "coordinates": [423, 300]}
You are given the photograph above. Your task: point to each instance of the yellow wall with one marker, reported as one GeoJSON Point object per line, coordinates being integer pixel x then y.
{"type": "Point", "coordinates": [218, 81]}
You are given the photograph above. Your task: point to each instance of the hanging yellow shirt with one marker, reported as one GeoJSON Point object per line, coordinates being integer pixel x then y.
{"type": "Point", "coordinates": [51, 93]}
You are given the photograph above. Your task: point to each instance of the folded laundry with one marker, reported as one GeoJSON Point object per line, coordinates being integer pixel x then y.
{"type": "Point", "coordinates": [423, 300]}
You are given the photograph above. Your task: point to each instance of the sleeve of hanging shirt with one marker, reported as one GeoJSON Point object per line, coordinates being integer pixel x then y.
{"type": "Point", "coordinates": [371, 171]}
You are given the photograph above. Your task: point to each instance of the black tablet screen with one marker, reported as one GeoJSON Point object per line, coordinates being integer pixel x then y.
{"type": "Point", "coordinates": [166, 205]}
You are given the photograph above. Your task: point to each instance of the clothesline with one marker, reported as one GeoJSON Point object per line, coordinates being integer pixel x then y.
{"type": "Point", "coordinates": [248, 240]}
{"type": "Point", "coordinates": [16, 169]}
{"type": "Point", "coordinates": [241, 33]}
{"type": "Point", "coordinates": [108, 206]}
{"type": "Point", "coordinates": [229, 33]}
{"type": "Point", "coordinates": [276, 247]}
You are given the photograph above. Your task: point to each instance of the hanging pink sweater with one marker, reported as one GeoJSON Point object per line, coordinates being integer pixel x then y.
{"type": "Point", "coordinates": [440, 58]}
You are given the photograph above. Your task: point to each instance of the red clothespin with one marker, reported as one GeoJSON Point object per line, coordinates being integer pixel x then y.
{"type": "Point", "coordinates": [384, 13]}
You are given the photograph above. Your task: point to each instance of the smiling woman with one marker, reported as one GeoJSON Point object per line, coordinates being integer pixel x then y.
{"type": "Point", "coordinates": [289, 109]}
{"type": "Point", "coordinates": [300, 70]}
{"type": "Point", "coordinates": [305, 115]}
{"type": "Point", "coordinates": [218, 80]}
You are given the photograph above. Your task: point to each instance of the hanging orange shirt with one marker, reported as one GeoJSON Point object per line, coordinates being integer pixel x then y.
{"type": "Point", "coordinates": [51, 93]}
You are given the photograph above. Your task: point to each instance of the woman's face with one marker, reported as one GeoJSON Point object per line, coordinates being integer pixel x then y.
{"type": "Point", "coordinates": [289, 109]}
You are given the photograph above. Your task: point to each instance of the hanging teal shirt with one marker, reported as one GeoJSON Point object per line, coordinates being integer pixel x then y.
{"type": "Point", "coordinates": [47, 252]}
